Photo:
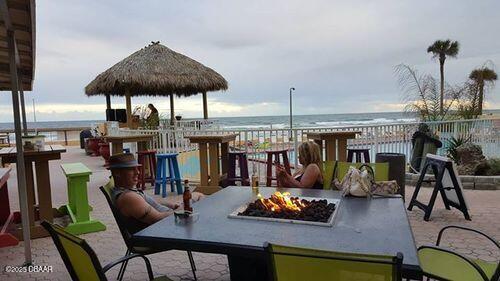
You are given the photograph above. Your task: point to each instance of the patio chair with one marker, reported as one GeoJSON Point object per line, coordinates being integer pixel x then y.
{"type": "Point", "coordinates": [81, 261]}
{"type": "Point", "coordinates": [328, 173]}
{"type": "Point", "coordinates": [291, 263]}
{"type": "Point", "coordinates": [127, 236]}
{"type": "Point", "coordinates": [443, 264]}
{"type": "Point", "coordinates": [381, 170]}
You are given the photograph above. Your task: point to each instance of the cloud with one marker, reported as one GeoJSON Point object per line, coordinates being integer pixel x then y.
{"type": "Point", "coordinates": [338, 54]}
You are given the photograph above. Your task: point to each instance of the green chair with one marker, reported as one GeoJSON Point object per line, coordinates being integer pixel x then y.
{"type": "Point", "coordinates": [127, 236]}
{"type": "Point", "coordinates": [443, 264]}
{"type": "Point", "coordinates": [328, 173]}
{"type": "Point", "coordinates": [294, 264]}
{"type": "Point", "coordinates": [381, 170]}
{"type": "Point", "coordinates": [81, 261]}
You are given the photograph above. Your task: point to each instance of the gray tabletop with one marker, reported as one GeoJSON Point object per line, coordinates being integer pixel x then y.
{"type": "Point", "coordinates": [374, 226]}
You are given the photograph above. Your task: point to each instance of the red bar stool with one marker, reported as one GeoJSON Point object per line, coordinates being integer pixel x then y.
{"type": "Point", "coordinates": [240, 158]}
{"type": "Point", "coordinates": [143, 157]}
{"type": "Point", "coordinates": [276, 154]}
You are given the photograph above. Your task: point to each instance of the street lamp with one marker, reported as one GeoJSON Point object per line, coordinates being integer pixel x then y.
{"type": "Point", "coordinates": [291, 89]}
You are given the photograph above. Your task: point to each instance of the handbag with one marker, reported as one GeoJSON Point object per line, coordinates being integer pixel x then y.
{"type": "Point", "coordinates": [385, 188]}
{"type": "Point", "coordinates": [357, 182]}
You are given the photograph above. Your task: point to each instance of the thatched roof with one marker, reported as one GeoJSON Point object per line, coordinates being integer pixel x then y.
{"type": "Point", "coordinates": [156, 70]}
{"type": "Point", "coordinates": [19, 17]}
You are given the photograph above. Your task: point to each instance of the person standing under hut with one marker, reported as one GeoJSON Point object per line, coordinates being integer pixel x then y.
{"type": "Point", "coordinates": [138, 208]}
{"type": "Point", "coordinates": [309, 175]}
{"type": "Point", "coordinates": [153, 118]}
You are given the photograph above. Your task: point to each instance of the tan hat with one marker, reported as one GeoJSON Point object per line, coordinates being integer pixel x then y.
{"type": "Point", "coordinates": [122, 161]}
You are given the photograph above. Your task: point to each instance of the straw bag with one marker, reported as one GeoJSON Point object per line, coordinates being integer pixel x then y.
{"type": "Point", "coordinates": [357, 182]}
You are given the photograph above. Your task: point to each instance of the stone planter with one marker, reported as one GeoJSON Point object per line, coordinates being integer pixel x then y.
{"type": "Point", "coordinates": [94, 146]}
{"type": "Point", "coordinates": [104, 152]}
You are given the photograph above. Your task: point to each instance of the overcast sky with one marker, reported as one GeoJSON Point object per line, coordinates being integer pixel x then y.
{"type": "Point", "coordinates": [339, 55]}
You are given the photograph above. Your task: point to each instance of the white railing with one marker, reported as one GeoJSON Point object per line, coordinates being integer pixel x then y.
{"type": "Point", "coordinates": [378, 138]}
{"type": "Point", "coordinates": [190, 124]}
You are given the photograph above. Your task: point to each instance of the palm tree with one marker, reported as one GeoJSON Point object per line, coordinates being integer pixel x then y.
{"type": "Point", "coordinates": [442, 49]}
{"type": "Point", "coordinates": [482, 76]}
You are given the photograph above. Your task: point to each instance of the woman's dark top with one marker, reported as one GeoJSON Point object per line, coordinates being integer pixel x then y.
{"type": "Point", "coordinates": [132, 224]}
{"type": "Point", "coordinates": [317, 184]}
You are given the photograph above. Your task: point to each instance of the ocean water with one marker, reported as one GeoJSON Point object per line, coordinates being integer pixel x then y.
{"type": "Point", "coordinates": [275, 122]}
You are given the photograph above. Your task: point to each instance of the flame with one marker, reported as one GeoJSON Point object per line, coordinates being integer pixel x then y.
{"type": "Point", "coordinates": [281, 201]}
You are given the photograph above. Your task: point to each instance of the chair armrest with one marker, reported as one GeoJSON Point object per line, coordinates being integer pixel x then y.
{"type": "Point", "coordinates": [433, 273]}
{"type": "Point", "coordinates": [466, 229]}
{"type": "Point", "coordinates": [129, 257]}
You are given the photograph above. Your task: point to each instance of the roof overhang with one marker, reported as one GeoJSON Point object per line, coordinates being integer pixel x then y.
{"type": "Point", "coordinates": [17, 17]}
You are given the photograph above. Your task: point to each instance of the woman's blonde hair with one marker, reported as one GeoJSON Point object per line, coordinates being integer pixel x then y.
{"type": "Point", "coordinates": [310, 152]}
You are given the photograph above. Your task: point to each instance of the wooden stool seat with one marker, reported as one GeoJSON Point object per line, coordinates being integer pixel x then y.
{"type": "Point", "coordinates": [276, 154]}
{"type": "Point", "coordinates": [358, 152]}
{"type": "Point", "coordinates": [240, 158]}
{"type": "Point", "coordinates": [146, 157]}
{"type": "Point", "coordinates": [167, 161]}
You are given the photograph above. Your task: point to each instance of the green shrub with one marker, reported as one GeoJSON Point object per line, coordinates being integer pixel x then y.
{"type": "Point", "coordinates": [494, 167]}
{"type": "Point", "coordinates": [453, 144]}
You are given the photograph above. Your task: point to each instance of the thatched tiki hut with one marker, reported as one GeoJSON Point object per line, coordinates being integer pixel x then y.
{"type": "Point", "coordinates": [156, 71]}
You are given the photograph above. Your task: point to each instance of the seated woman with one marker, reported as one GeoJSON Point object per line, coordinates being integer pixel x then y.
{"type": "Point", "coordinates": [309, 175]}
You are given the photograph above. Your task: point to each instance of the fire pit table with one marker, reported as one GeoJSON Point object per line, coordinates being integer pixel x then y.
{"type": "Point", "coordinates": [375, 226]}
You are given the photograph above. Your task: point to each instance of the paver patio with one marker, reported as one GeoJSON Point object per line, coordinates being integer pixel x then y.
{"type": "Point", "coordinates": [484, 208]}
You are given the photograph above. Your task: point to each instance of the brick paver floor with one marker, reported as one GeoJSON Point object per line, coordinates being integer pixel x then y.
{"type": "Point", "coordinates": [484, 207]}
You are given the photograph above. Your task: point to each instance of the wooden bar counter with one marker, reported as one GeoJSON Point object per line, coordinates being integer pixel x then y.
{"type": "Point", "coordinates": [118, 141]}
{"type": "Point", "coordinates": [333, 140]}
{"type": "Point", "coordinates": [209, 164]}
{"type": "Point", "coordinates": [41, 159]}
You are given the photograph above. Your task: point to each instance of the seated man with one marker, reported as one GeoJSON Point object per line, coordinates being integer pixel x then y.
{"type": "Point", "coordinates": [138, 209]}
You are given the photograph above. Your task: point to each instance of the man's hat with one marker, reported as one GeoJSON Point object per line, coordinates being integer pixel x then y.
{"type": "Point", "coordinates": [122, 160]}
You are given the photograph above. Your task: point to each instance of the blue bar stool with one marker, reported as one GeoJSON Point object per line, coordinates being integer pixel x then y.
{"type": "Point", "coordinates": [164, 162]}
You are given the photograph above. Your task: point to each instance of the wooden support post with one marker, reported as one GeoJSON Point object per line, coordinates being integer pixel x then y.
{"type": "Point", "coordinates": [23, 109]}
{"type": "Point", "coordinates": [205, 106]}
{"type": "Point", "coordinates": [108, 101]}
{"type": "Point", "coordinates": [129, 109]}
{"type": "Point", "coordinates": [172, 113]}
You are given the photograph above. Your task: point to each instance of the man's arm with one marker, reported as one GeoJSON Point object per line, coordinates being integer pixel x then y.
{"type": "Point", "coordinates": [133, 205]}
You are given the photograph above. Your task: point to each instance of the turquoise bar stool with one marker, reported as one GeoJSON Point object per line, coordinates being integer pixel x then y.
{"type": "Point", "coordinates": [167, 162]}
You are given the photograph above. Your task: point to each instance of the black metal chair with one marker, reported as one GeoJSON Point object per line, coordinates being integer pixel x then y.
{"type": "Point", "coordinates": [127, 236]}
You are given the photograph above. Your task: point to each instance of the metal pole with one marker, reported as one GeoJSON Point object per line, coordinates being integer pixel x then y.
{"type": "Point", "coordinates": [34, 118]}
{"type": "Point", "coordinates": [23, 109]}
{"type": "Point", "coordinates": [21, 173]}
{"type": "Point", "coordinates": [291, 121]}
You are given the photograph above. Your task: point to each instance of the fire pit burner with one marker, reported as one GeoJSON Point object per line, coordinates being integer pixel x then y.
{"type": "Point", "coordinates": [281, 207]}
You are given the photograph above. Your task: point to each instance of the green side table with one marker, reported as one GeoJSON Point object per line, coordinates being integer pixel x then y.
{"type": "Point", "coordinates": [78, 207]}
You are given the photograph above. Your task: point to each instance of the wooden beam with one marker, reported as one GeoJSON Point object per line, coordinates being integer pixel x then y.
{"type": "Point", "coordinates": [172, 114]}
{"type": "Point", "coordinates": [18, 41]}
{"type": "Point", "coordinates": [205, 106]}
{"type": "Point", "coordinates": [128, 101]}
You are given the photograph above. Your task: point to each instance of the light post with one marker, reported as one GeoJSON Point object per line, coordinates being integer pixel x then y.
{"type": "Point", "coordinates": [291, 120]}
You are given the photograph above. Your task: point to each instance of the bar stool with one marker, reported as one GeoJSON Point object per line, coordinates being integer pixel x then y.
{"type": "Point", "coordinates": [149, 157]}
{"type": "Point", "coordinates": [276, 154]}
{"type": "Point", "coordinates": [164, 162]}
{"type": "Point", "coordinates": [240, 158]}
{"type": "Point", "coordinates": [365, 152]}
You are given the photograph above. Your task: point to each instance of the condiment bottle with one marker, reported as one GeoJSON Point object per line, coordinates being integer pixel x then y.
{"type": "Point", "coordinates": [186, 197]}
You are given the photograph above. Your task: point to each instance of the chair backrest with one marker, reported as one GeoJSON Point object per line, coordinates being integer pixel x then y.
{"type": "Point", "coordinates": [120, 220]}
{"type": "Point", "coordinates": [80, 260]}
{"type": "Point", "coordinates": [328, 173]}
{"type": "Point", "coordinates": [291, 263]}
{"type": "Point", "coordinates": [381, 170]}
